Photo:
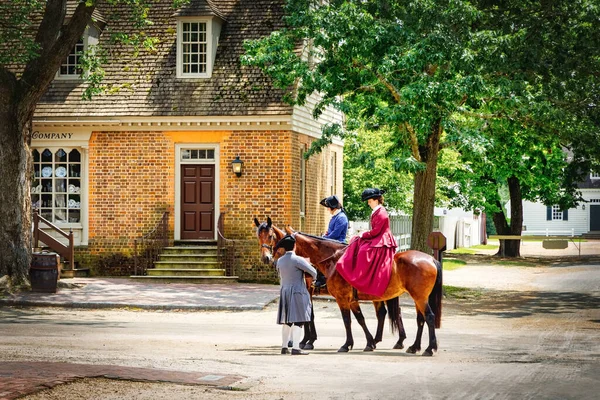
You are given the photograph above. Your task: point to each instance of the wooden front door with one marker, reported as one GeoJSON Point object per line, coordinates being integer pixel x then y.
{"type": "Point", "coordinates": [595, 218]}
{"type": "Point", "coordinates": [197, 202]}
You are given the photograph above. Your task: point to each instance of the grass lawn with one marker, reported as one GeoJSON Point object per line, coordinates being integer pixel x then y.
{"type": "Point", "coordinates": [457, 292]}
{"type": "Point", "coordinates": [451, 264]}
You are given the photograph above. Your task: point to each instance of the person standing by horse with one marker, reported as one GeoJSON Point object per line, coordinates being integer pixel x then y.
{"type": "Point", "coordinates": [295, 307]}
{"type": "Point", "coordinates": [367, 263]}
{"type": "Point", "coordinates": [337, 229]}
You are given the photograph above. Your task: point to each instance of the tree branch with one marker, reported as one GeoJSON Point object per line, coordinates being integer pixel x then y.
{"type": "Point", "coordinates": [52, 21]}
{"type": "Point", "coordinates": [40, 71]}
{"type": "Point", "coordinates": [414, 141]}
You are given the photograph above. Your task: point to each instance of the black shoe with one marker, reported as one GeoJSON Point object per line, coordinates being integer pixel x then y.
{"type": "Point", "coordinates": [284, 350]}
{"type": "Point", "coordinates": [299, 352]}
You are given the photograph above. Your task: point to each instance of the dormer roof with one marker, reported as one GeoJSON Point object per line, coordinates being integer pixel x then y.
{"type": "Point", "coordinates": [197, 8]}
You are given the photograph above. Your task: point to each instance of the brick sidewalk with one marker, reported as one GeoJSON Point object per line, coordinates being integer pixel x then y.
{"type": "Point", "coordinates": [22, 378]}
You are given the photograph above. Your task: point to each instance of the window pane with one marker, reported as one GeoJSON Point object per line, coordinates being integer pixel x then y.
{"type": "Point", "coordinates": [56, 187]}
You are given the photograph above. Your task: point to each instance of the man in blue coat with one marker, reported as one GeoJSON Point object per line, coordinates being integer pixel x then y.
{"type": "Point", "coordinates": [337, 230]}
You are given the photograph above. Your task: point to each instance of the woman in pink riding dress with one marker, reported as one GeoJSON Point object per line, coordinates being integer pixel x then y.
{"type": "Point", "coordinates": [367, 263]}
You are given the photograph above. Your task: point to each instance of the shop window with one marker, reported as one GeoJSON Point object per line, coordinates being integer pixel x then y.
{"type": "Point", "coordinates": [56, 190]}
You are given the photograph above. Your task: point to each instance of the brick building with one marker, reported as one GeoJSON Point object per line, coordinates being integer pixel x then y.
{"type": "Point", "coordinates": [165, 132]}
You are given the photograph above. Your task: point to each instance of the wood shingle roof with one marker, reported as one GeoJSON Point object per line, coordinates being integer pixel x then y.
{"type": "Point", "coordinates": [146, 84]}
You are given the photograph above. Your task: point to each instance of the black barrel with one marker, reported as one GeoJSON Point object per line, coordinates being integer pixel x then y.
{"type": "Point", "coordinates": [43, 272]}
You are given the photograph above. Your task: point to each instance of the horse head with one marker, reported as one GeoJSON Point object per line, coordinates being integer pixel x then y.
{"type": "Point", "coordinates": [268, 235]}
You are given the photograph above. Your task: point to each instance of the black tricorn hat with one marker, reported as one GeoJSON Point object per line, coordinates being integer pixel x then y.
{"type": "Point", "coordinates": [371, 193]}
{"type": "Point", "coordinates": [287, 243]}
{"type": "Point", "coordinates": [331, 202]}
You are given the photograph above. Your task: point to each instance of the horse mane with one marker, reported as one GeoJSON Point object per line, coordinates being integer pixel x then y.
{"type": "Point", "coordinates": [322, 238]}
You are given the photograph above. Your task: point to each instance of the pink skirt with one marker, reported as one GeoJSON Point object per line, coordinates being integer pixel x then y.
{"type": "Point", "coordinates": [367, 268]}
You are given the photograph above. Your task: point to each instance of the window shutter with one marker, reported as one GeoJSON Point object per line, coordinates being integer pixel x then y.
{"type": "Point", "coordinates": [566, 215]}
{"type": "Point", "coordinates": [549, 213]}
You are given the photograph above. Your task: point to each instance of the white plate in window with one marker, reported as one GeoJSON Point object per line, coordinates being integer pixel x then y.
{"type": "Point", "coordinates": [47, 172]}
{"type": "Point", "coordinates": [61, 172]}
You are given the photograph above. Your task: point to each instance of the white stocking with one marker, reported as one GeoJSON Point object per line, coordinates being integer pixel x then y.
{"type": "Point", "coordinates": [285, 336]}
{"type": "Point", "coordinates": [297, 334]}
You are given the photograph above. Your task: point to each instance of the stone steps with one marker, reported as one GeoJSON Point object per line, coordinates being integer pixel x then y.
{"type": "Point", "coordinates": [188, 262]}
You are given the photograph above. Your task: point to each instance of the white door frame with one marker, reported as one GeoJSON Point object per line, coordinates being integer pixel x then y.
{"type": "Point", "coordinates": [178, 162]}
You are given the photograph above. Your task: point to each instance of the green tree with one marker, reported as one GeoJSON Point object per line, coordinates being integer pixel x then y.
{"type": "Point", "coordinates": [369, 163]}
{"type": "Point", "coordinates": [445, 74]}
{"type": "Point", "coordinates": [404, 66]}
{"type": "Point", "coordinates": [539, 135]}
{"type": "Point", "coordinates": [35, 38]}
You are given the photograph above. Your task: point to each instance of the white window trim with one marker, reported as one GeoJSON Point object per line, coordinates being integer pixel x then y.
{"type": "Point", "coordinates": [557, 213]}
{"type": "Point", "coordinates": [594, 175]}
{"type": "Point", "coordinates": [209, 48]}
{"type": "Point", "coordinates": [178, 163]}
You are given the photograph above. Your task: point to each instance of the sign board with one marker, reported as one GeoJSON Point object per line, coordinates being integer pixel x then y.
{"type": "Point", "coordinates": [437, 241]}
{"type": "Point", "coordinates": [555, 244]}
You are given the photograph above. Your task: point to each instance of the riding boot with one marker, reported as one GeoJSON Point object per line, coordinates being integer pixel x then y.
{"type": "Point", "coordinates": [285, 337]}
{"type": "Point", "coordinates": [297, 335]}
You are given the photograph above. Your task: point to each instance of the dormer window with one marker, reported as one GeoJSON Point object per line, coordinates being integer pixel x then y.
{"type": "Point", "coordinates": [196, 46]}
{"type": "Point", "coordinates": [71, 67]}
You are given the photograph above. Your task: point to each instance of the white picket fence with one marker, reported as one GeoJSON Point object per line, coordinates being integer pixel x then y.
{"type": "Point", "coordinates": [400, 225]}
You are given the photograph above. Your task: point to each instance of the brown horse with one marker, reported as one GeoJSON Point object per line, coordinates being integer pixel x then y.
{"type": "Point", "coordinates": [269, 235]}
{"type": "Point", "coordinates": [414, 272]}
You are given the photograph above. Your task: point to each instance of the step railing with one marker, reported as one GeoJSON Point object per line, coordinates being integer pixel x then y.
{"type": "Point", "coordinates": [147, 248]}
{"type": "Point", "coordinates": [67, 252]}
{"type": "Point", "coordinates": [225, 249]}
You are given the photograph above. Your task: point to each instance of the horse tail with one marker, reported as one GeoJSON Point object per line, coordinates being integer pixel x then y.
{"type": "Point", "coordinates": [435, 297]}
{"type": "Point", "coordinates": [393, 306]}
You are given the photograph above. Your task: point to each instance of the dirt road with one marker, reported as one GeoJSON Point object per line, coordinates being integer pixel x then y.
{"type": "Point", "coordinates": [530, 334]}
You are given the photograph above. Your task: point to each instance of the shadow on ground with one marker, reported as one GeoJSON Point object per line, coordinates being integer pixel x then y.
{"type": "Point", "coordinates": [516, 304]}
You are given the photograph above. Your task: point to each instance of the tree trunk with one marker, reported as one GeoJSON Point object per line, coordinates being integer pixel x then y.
{"type": "Point", "coordinates": [511, 248]}
{"type": "Point", "coordinates": [424, 194]}
{"type": "Point", "coordinates": [15, 164]}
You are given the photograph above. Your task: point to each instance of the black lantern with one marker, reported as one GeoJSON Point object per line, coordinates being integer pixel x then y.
{"type": "Point", "coordinates": [236, 165]}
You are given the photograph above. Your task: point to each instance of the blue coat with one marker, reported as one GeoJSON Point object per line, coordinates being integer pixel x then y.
{"type": "Point", "coordinates": [338, 227]}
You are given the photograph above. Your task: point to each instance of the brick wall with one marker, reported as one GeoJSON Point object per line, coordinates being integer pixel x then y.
{"type": "Point", "coordinates": [131, 182]}
{"type": "Point", "coordinates": [130, 185]}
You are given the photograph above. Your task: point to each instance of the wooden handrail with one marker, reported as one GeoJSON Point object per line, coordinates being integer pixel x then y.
{"type": "Point", "coordinates": [147, 248]}
{"type": "Point", "coordinates": [66, 252]}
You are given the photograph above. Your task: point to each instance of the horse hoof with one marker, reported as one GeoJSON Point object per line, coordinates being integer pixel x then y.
{"type": "Point", "coordinates": [427, 353]}
{"type": "Point", "coordinates": [411, 350]}
{"type": "Point", "coordinates": [307, 346]}
{"type": "Point", "coordinates": [343, 350]}
{"type": "Point", "coordinates": [369, 348]}
{"type": "Point", "coordinates": [398, 346]}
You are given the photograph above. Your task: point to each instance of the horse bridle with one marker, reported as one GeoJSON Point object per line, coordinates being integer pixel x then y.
{"type": "Point", "coordinates": [272, 237]}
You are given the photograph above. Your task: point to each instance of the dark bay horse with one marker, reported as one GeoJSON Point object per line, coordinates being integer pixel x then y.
{"type": "Point", "coordinates": [414, 272]}
{"type": "Point", "coordinates": [269, 235]}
